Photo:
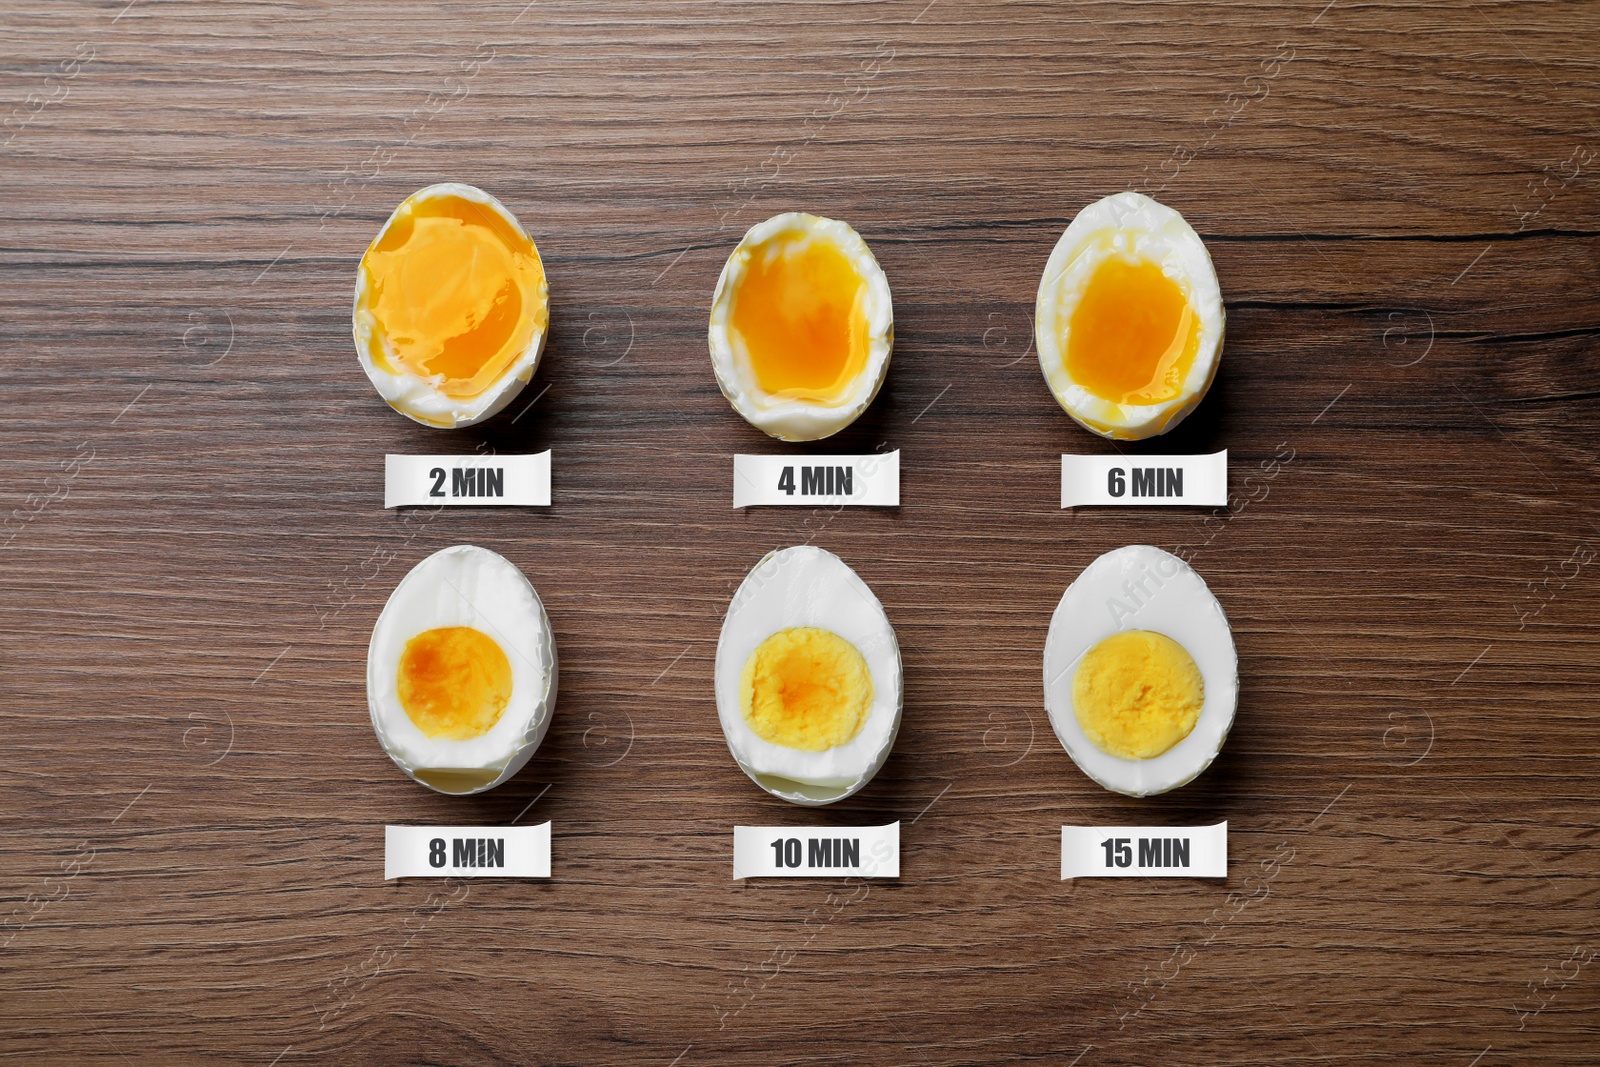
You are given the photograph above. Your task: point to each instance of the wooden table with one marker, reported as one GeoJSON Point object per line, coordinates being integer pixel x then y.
{"type": "Point", "coordinates": [1400, 200]}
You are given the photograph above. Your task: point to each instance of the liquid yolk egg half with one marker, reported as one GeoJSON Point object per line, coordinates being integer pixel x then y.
{"type": "Point", "coordinates": [1137, 693]}
{"type": "Point", "coordinates": [806, 688]}
{"type": "Point", "coordinates": [800, 310]}
{"type": "Point", "coordinates": [454, 682]}
{"type": "Point", "coordinates": [1132, 336]}
{"type": "Point", "coordinates": [455, 292]}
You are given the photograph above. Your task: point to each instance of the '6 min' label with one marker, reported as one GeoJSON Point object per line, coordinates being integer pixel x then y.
{"type": "Point", "coordinates": [1123, 480]}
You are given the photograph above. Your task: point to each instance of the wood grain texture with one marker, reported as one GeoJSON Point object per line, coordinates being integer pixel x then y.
{"type": "Point", "coordinates": [1400, 200]}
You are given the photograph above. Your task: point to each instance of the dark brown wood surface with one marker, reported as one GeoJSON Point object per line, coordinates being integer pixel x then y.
{"type": "Point", "coordinates": [1401, 202]}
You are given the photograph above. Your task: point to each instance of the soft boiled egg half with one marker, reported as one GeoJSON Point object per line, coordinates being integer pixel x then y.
{"type": "Point", "coordinates": [461, 671]}
{"type": "Point", "coordinates": [808, 677]}
{"type": "Point", "coordinates": [1141, 679]}
{"type": "Point", "coordinates": [801, 327]}
{"type": "Point", "coordinates": [1129, 318]}
{"type": "Point", "coordinates": [451, 307]}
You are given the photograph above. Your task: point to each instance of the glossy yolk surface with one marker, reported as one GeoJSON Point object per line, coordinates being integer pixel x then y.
{"type": "Point", "coordinates": [1137, 693]}
{"type": "Point", "coordinates": [806, 688]}
{"type": "Point", "coordinates": [454, 682]}
{"type": "Point", "coordinates": [801, 310]}
{"type": "Point", "coordinates": [455, 293]}
{"type": "Point", "coordinates": [1132, 337]}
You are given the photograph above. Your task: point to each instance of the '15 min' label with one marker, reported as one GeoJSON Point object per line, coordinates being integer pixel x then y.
{"type": "Point", "coordinates": [1144, 851]}
{"type": "Point", "coordinates": [478, 481]}
{"type": "Point", "coordinates": [466, 851]}
{"type": "Point", "coordinates": [871, 480]}
{"type": "Point", "coordinates": [1145, 480]}
{"type": "Point", "coordinates": [816, 851]}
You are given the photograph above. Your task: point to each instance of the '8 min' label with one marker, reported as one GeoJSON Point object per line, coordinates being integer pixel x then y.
{"type": "Point", "coordinates": [466, 851]}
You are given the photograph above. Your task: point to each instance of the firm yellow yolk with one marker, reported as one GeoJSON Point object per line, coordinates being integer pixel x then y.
{"type": "Point", "coordinates": [1133, 336]}
{"type": "Point", "coordinates": [801, 310]}
{"type": "Point", "coordinates": [1137, 693]}
{"type": "Point", "coordinates": [456, 293]}
{"type": "Point", "coordinates": [806, 688]}
{"type": "Point", "coordinates": [455, 682]}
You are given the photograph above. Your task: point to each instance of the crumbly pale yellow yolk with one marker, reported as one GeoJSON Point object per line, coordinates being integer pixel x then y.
{"type": "Point", "coordinates": [1133, 336]}
{"type": "Point", "coordinates": [455, 682]}
{"type": "Point", "coordinates": [806, 688]}
{"type": "Point", "coordinates": [1137, 693]}
{"type": "Point", "coordinates": [801, 309]}
{"type": "Point", "coordinates": [456, 293]}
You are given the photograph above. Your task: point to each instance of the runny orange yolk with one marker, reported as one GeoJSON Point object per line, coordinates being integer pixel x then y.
{"type": "Point", "coordinates": [806, 688]}
{"type": "Point", "coordinates": [454, 683]}
{"type": "Point", "coordinates": [455, 292]}
{"type": "Point", "coordinates": [1133, 335]}
{"type": "Point", "coordinates": [801, 310]}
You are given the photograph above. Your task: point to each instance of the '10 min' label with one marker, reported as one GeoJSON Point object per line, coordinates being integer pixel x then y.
{"type": "Point", "coordinates": [816, 851]}
{"type": "Point", "coordinates": [820, 852]}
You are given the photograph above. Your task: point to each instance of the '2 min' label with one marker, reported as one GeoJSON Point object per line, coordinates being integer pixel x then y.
{"type": "Point", "coordinates": [469, 481]}
{"type": "Point", "coordinates": [474, 481]}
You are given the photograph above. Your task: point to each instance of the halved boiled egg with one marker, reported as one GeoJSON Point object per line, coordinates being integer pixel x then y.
{"type": "Point", "coordinates": [801, 327]}
{"type": "Point", "coordinates": [808, 677]}
{"type": "Point", "coordinates": [461, 671]}
{"type": "Point", "coordinates": [1141, 679]}
{"type": "Point", "coordinates": [451, 307]}
{"type": "Point", "coordinates": [1129, 318]}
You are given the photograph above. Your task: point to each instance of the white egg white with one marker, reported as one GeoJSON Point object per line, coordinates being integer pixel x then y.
{"type": "Point", "coordinates": [786, 418]}
{"type": "Point", "coordinates": [1131, 225]}
{"type": "Point", "coordinates": [419, 398]}
{"type": "Point", "coordinates": [809, 586]}
{"type": "Point", "coordinates": [465, 586]}
{"type": "Point", "coordinates": [1140, 587]}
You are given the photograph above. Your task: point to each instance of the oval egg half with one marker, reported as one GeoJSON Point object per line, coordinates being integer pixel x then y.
{"type": "Point", "coordinates": [1141, 678]}
{"type": "Point", "coordinates": [808, 680]}
{"type": "Point", "coordinates": [801, 327]}
{"type": "Point", "coordinates": [1129, 318]}
{"type": "Point", "coordinates": [451, 307]}
{"type": "Point", "coordinates": [461, 671]}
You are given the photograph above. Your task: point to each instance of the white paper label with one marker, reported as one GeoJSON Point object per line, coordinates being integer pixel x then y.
{"type": "Point", "coordinates": [816, 851]}
{"type": "Point", "coordinates": [1144, 481]}
{"type": "Point", "coordinates": [466, 851]}
{"type": "Point", "coordinates": [1144, 851]}
{"type": "Point", "coordinates": [472, 481]}
{"type": "Point", "coordinates": [871, 481]}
